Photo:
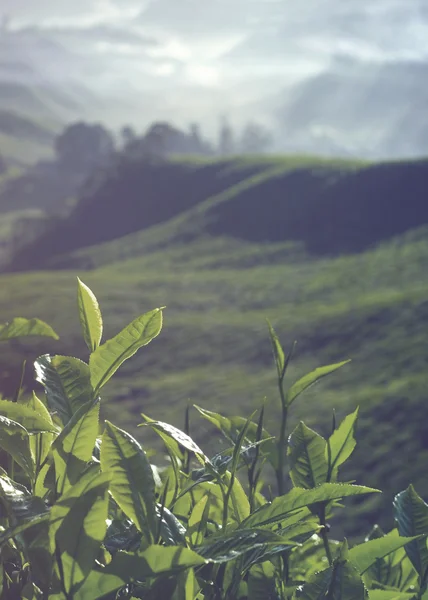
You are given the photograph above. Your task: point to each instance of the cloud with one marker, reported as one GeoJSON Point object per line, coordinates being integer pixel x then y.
{"type": "Point", "coordinates": [70, 12]}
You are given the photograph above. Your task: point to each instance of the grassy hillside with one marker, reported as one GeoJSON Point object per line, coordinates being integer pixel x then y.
{"type": "Point", "coordinates": [24, 140]}
{"type": "Point", "coordinates": [340, 295]}
{"type": "Point", "coordinates": [174, 196]}
{"type": "Point", "coordinates": [328, 208]}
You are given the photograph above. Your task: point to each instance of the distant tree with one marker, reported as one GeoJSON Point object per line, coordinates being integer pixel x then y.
{"type": "Point", "coordinates": [162, 140]}
{"type": "Point", "coordinates": [226, 140]}
{"type": "Point", "coordinates": [198, 145]}
{"type": "Point", "coordinates": [254, 139]}
{"type": "Point", "coordinates": [128, 135]}
{"type": "Point", "coordinates": [3, 165]}
{"type": "Point", "coordinates": [196, 138]}
{"type": "Point", "coordinates": [82, 146]}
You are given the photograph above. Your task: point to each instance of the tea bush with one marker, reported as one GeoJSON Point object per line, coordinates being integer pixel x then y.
{"type": "Point", "coordinates": [84, 514]}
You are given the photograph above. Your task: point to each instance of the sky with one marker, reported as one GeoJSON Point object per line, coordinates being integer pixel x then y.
{"type": "Point", "coordinates": [198, 55]}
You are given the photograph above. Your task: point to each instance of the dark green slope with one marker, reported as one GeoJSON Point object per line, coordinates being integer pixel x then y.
{"type": "Point", "coordinates": [325, 208]}
{"type": "Point", "coordinates": [132, 197]}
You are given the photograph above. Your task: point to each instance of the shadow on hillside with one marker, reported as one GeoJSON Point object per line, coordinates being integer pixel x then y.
{"type": "Point", "coordinates": [329, 209]}
{"type": "Point", "coordinates": [332, 212]}
{"type": "Point", "coordinates": [131, 197]}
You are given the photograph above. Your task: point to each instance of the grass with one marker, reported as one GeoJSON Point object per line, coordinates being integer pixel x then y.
{"type": "Point", "coordinates": [219, 288]}
{"type": "Point", "coordinates": [321, 208]}
{"type": "Point", "coordinates": [24, 139]}
{"type": "Point", "coordinates": [24, 151]}
{"type": "Point", "coordinates": [215, 352]}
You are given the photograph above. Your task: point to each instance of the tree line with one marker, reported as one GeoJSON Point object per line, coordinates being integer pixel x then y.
{"type": "Point", "coordinates": [82, 146]}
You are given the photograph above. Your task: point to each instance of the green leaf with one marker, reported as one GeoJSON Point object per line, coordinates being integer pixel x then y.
{"type": "Point", "coordinates": [197, 520]}
{"type": "Point", "coordinates": [33, 420]}
{"type": "Point", "coordinates": [308, 464]}
{"type": "Point", "coordinates": [187, 586]}
{"type": "Point", "coordinates": [342, 442]}
{"type": "Point", "coordinates": [172, 531]}
{"type": "Point", "coordinates": [132, 484]}
{"type": "Point", "coordinates": [22, 526]}
{"type": "Point", "coordinates": [90, 316]}
{"type": "Point", "coordinates": [40, 444]}
{"type": "Point", "coordinates": [106, 359]}
{"type": "Point", "coordinates": [390, 595]}
{"type": "Point", "coordinates": [73, 448]}
{"type": "Point", "coordinates": [299, 498]}
{"type": "Point", "coordinates": [230, 427]}
{"type": "Point", "coordinates": [339, 582]}
{"type": "Point", "coordinates": [14, 440]}
{"type": "Point", "coordinates": [363, 556]}
{"type": "Point", "coordinates": [308, 380]}
{"type": "Point", "coordinates": [278, 352]}
{"type": "Point", "coordinates": [293, 535]}
{"type": "Point", "coordinates": [27, 516]}
{"type": "Point", "coordinates": [67, 384]}
{"type": "Point", "coordinates": [411, 514]}
{"type": "Point", "coordinates": [78, 527]}
{"type": "Point", "coordinates": [171, 444]}
{"type": "Point", "coordinates": [21, 507]}
{"type": "Point", "coordinates": [261, 582]}
{"type": "Point", "coordinates": [229, 546]}
{"type": "Point", "coordinates": [180, 437]}
{"type": "Point", "coordinates": [127, 567]}
{"type": "Point", "coordinates": [238, 498]}
{"type": "Point", "coordinates": [20, 327]}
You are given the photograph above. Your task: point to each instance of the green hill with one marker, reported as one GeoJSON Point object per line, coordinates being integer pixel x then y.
{"type": "Point", "coordinates": [24, 140]}
{"type": "Point", "coordinates": [328, 208]}
{"type": "Point", "coordinates": [334, 254]}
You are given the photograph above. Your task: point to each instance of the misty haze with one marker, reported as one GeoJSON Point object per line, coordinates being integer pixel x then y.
{"type": "Point", "coordinates": [208, 208]}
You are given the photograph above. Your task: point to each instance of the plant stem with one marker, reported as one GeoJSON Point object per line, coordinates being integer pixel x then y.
{"type": "Point", "coordinates": [11, 468]}
{"type": "Point", "coordinates": [325, 536]}
{"type": "Point", "coordinates": [282, 441]}
{"type": "Point", "coordinates": [226, 497]}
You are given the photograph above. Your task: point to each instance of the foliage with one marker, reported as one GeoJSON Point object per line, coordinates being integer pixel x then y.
{"type": "Point", "coordinates": [82, 147]}
{"type": "Point", "coordinates": [86, 516]}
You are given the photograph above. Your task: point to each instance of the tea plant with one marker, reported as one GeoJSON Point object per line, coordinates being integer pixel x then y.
{"type": "Point", "coordinates": [84, 514]}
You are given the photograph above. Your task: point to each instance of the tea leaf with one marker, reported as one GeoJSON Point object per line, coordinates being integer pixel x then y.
{"type": "Point", "coordinates": [197, 520]}
{"type": "Point", "coordinates": [278, 352]}
{"type": "Point", "coordinates": [308, 380]}
{"type": "Point", "coordinates": [228, 547]}
{"type": "Point", "coordinates": [33, 420]}
{"type": "Point", "coordinates": [299, 498]}
{"type": "Point", "coordinates": [126, 567]}
{"type": "Point", "coordinates": [21, 507]}
{"type": "Point", "coordinates": [14, 440]}
{"type": "Point", "coordinates": [78, 527]}
{"type": "Point", "coordinates": [363, 556]}
{"type": "Point", "coordinates": [90, 316]}
{"type": "Point", "coordinates": [20, 327]}
{"type": "Point", "coordinates": [390, 595]}
{"type": "Point", "coordinates": [180, 437]}
{"type": "Point", "coordinates": [73, 448]}
{"type": "Point", "coordinates": [106, 359]}
{"type": "Point", "coordinates": [308, 464]}
{"type": "Point", "coordinates": [67, 384]}
{"type": "Point", "coordinates": [341, 581]}
{"type": "Point", "coordinates": [132, 483]}
{"type": "Point", "coordinates": [411, 514]}
{"type": "Point", "coordinates": [341, 442]}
